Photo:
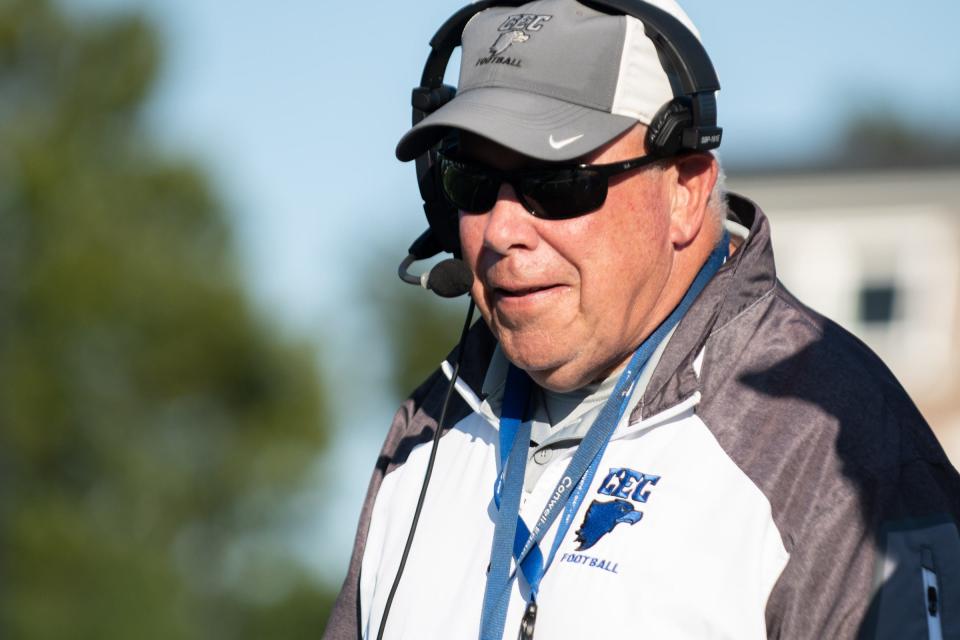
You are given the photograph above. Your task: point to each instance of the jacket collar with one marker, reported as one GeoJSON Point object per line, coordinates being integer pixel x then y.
{"type": "Point", "coordinates": [745, 278]}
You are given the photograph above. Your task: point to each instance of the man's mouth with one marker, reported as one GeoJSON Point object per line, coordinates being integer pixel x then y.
{"type": "Point", "coordinates": [516, 292]}
{"type": "Point", "coordinates": [521, 291]}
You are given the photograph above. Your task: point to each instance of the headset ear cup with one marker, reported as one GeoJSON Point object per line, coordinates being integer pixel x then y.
{"type": "Point", "coordinates": [442, 216]}
{"type": "Point", "coordinates": [665, 133]}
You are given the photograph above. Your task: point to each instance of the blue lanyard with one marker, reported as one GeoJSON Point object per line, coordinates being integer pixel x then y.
{"type": "Point", "coordinates": [513, 431]}
{"type": "Point", "coordinates": [512, 538]}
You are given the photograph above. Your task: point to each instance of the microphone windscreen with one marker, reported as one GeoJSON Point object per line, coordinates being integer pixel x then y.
{"type": "Point", "coordinates": [450, 278]}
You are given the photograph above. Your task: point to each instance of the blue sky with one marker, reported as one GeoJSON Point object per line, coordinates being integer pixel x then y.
{"type": "Point", "coordinates": [295, 107]}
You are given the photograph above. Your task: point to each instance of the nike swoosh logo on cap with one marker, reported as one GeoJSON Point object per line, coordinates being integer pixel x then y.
{"type": "Point", "coordinates": [560, 144]}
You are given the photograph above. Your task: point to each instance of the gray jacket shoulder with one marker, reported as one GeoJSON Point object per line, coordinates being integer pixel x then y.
{"type": "Point", "coordinates": [825, 430]}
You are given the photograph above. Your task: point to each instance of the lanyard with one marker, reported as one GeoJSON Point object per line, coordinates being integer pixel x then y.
{"type": "Point", "coordinates": [513, 431]}
{"type": "Point", "coordinates": [512, 538]}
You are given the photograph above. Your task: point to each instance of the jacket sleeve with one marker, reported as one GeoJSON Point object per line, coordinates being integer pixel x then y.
{"type": "Point", "coordinates": [414, 424]}
{"type": "Point", "coordinates": [879, 560]}
{"type": "Point", "coordinates": [346, 621]}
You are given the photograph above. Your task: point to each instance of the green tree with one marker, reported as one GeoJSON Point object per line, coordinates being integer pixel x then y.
{"type": "Point", "coordinates": [420, 328]}
{"type": "Point", "coordinates": [883, 138]}
{"type": "Point", "coordinates": [152, 425]}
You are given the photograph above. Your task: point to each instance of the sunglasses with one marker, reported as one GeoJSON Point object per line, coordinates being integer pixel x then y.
{"type": "Point", "coordinates": [555, 192]}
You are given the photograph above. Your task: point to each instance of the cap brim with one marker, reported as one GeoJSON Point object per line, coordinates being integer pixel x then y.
{"type": "Point", "coordinates": [533, 125]}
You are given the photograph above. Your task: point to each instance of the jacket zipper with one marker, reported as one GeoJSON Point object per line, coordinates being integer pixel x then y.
{"type": "Point", "coordinates": [931, 603]}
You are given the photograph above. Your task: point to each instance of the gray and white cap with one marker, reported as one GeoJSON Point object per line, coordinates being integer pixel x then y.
{"type": "Point", "coordinates": [552, 79]}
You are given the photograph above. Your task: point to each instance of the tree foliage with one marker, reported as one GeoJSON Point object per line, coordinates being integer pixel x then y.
{"type": "Point", "coordinates": [152, 424]}
{"type": "Point", "coordinates": [420, 327]}
{"type": "Point", "coordinates": [883, 138]}
{"type": "Point", "coordinates": [872, 139]}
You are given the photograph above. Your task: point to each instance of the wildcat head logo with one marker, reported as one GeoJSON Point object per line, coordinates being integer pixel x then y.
{"type": "Point", "coordinates": [601, 518]}
{"type": "Point", "coordinates": [505, 40]}
{"type": "Point", "coordinates": [627, 487]}
{"type": "Point", "coordinates": [516, 29]}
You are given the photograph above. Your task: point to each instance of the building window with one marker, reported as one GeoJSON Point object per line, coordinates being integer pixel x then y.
{"type": "Point", "coordinates": [877, 303]}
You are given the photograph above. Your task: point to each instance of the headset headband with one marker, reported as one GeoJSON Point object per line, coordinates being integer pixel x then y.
{"type": "Point", "coordinates": [684, 50]}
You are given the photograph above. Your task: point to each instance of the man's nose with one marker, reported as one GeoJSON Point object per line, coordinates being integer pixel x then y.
{"type": "Point", "coordinates": [509, 224]}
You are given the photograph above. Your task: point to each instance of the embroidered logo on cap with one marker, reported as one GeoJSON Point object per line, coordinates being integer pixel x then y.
{"type": "Point", "coordinates": [560, 144]}
{"type": "Point", "coordinates": [505, 40]}
{"type": "Point", "coordinates": [515, 29]}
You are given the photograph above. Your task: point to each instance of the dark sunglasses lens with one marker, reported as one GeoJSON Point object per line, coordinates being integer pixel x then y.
{"type": "Point", "coordinates": [467, 188]}
{"type": "Point", "coordinates": [564, 194]}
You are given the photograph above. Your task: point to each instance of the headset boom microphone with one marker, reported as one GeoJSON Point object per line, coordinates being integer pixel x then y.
{"type": "Point", "coordinates": [449, 278]}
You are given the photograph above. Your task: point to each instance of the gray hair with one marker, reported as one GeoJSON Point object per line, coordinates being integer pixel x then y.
{"type": "Point", "coordinates": [717, 202]}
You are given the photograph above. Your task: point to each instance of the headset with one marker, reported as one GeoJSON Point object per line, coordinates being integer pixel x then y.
{"type": "Point", "coordinates": [687, 123]}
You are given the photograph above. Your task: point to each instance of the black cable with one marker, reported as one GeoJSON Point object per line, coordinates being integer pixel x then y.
{"type": "Point", "coordinates": [429, 472]}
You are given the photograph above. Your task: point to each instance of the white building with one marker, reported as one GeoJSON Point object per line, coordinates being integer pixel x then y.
{"type": "Point", "coordinates": [879, 252]}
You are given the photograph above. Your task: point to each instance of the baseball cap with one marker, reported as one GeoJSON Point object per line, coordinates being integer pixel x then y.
{"type": "Point", "coordinates": [552, 79]}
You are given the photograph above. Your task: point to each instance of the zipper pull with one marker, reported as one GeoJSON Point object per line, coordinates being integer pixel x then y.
{"type": "Point", "coordinates": [528, 622]}
{"type": "Point", "coordinates": [931, 594]}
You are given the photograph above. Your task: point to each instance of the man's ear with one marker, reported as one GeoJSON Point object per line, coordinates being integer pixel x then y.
{"type": "Point", "coordinates": [693, 177]}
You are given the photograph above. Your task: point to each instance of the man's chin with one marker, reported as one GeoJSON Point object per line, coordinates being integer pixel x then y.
{"type": "Point", "coordinates": [561, 379]}
{"type": "Point", "coordinates": [556, 374]}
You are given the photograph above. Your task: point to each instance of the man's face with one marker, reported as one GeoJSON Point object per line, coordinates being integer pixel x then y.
{"type": "Point", "coordinates": [570, 300]}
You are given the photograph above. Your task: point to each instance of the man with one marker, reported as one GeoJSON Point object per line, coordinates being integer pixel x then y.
{"type": "Point", "coordinates": [693, 453]}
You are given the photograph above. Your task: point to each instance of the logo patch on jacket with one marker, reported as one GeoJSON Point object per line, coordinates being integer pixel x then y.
{"type": "Point", "coordinates": [601, 518]}
{"type": "Point", "coordinates": [627, 483]}
{"type": "Point", "coordinates": [626, 486]}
